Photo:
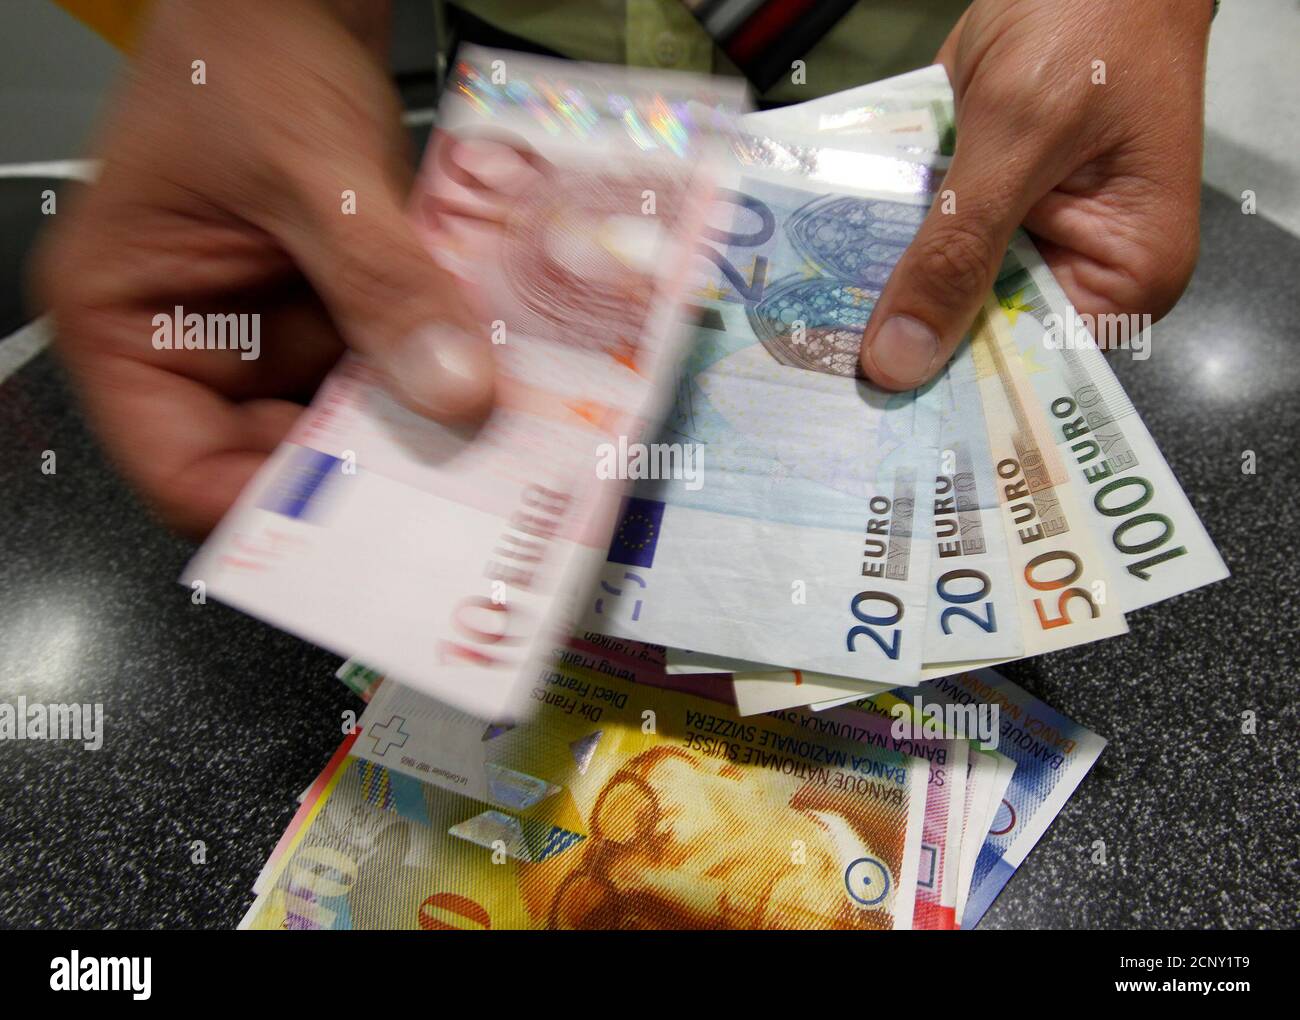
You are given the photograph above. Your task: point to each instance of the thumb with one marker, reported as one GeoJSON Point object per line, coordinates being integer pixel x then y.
{"type": "Point", "coordinates": [937, 287]}
{"type": "Point", "coordinates": [388, 298]}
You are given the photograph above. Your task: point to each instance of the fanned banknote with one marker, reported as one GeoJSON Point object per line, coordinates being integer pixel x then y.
{"type": "Point", "coordinates": [1153, 543]}
{"type": "Point", "coordinates": [1057, 569]}
{"type": "Point", "coordinates": [1156, 546]}
{"type": "Point", "coordinates": [622, 805]}
{"type": "Point", "coordinates": [1051, 753]}
{"type": "Point", "coordinates": [805, 541]}
{"type": "Point", "coordinates": [567, 197]}
{"type": "Point", "coordinates": [1145, 541]}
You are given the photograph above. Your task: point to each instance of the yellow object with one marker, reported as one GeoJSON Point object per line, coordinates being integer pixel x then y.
{"type": "Point", "coordinates": [118, 21]}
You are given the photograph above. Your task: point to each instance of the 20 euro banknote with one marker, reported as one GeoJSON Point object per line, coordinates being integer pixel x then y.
{"type": "Point", "coordinates": [805, 544]}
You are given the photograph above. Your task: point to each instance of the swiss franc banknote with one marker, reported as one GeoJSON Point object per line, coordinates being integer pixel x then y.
{"type": "Point", "coordinates": [448, 557]}
{"type": "Point", "coordinates": [805, 542]}
{"type": "Point", "coordinates": [621, 806]}
{"type": "Point", "coordinates": [939, 869]}
{"type": "Point", "coordinates": [986, 784]}
{"type": "Point", "coordinates": [1051, 753]}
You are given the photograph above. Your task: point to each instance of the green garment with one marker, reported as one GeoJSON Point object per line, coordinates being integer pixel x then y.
{"type": "Point", "coordinates": [876, 39]}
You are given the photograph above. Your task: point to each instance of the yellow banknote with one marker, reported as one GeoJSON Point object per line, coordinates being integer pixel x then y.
{"type": "Point", "coordinates": [618, 806]}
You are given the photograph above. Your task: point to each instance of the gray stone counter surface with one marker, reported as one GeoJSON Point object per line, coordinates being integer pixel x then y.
{"type": "Point", "coordinates": [214, 722]}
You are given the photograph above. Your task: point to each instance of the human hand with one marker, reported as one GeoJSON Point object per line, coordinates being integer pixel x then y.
{"type": "Point", "coordinates": [227, 197]}
{"type": "Point", "coordinates": [1106, 176]}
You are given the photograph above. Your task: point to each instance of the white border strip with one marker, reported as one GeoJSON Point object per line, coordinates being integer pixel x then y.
{"type": "Point", "coordinates": [19, 348]}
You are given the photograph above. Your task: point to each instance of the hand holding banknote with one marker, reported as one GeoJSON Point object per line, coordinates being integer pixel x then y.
{"type": "Point", "coordinates": [276, 185]}
{"type": "Point", "coordinates": [1070, 121]}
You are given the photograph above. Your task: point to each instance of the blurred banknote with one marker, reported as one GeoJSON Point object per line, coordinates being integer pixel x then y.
{"type": "Point", "coordinates": [621, 806]}
{"type": "Point", "coordinates": [567, 197]}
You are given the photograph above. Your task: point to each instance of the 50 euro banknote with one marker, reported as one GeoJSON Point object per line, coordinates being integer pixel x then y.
{"type": "Point", "coordinates": [566, 198]}
{"type": "Point", "coordinates": [620, 806]}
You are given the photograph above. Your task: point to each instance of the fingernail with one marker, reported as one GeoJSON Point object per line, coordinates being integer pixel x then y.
{"type": "Point", "coordinates": [904, 350]}
{"type": "Point", "coordinates": [442, 371]}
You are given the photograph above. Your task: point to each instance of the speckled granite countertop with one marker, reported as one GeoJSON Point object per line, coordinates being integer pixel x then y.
{"type": "Point", "coordinates": [215, 722]}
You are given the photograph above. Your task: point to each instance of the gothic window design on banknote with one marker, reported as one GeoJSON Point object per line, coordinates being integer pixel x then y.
{"type": "Point", "coordinates": [845, 247]}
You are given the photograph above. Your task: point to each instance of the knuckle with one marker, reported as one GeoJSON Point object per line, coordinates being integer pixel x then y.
{"type": "Point", "coordinates": [372, 269]}
{"type": "Point", "coordinates": [56, 273]}
{"type": "Point", "coordinates": [1160, 275]}
{"type": "Point", "coordinates": [955, 264]}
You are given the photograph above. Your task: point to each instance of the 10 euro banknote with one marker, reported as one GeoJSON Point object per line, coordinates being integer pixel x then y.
{"type": "Point", "coordinates": [567, 198]}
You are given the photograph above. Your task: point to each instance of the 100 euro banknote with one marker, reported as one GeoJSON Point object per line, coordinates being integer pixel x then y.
{"type": "Point", "coordinates": [567, 198]}
{"type": "Point", "coordinates": [622, 805]}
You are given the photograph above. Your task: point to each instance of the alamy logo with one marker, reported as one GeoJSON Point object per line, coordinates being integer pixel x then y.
{"type": "Point", "coordinates": [77, 973]}
{"type": "Point", "coordinates": [937, 722]}
{"type": "Point", "coordinates": [637, 461]}
{"type": "Point", "coordinates": [1075, 331]}
{"type": "Point", "coordinates": [190, 331]}
{"type": "Point", "coordinates": [53, 722]}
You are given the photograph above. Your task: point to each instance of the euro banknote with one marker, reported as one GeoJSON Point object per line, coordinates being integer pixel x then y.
{"type": "Point", "coordinates": [1153, 542]}
{"type": "Point", "coordinates": [1048, 572]}
{"type": "Point", "coordinates": [567, 198]}
{"type": "Point", "coordinates": [622, 805]}
{"type": "Point", "coordinates": [804, 545]}
{"type": "Point", "coordinates": [758, 688]}
{"type": "Point", "coordinates": [1156, 546]}
{"type": "Point", "coordinates": [911, 113]}
{"type": "Point", "coordinates": [1051, 753]}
